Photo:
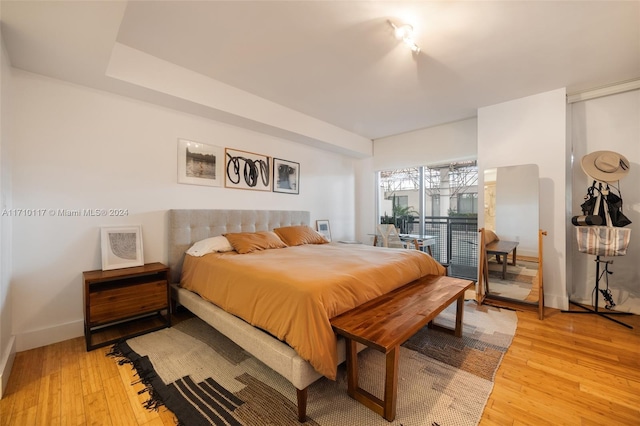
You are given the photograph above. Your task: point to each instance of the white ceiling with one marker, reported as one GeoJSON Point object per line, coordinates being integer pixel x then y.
{"type": "Point", "coordinates": [338, 61]}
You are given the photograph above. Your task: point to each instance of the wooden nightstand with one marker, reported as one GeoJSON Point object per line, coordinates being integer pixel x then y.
{"type": "Point", "coordinates": [124, 303]}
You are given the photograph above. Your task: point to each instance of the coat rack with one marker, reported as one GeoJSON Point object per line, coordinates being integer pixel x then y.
{"type": "Point", "coordinates": [605, 293]}
{"type": "Point", "coordinates": [600, 200]}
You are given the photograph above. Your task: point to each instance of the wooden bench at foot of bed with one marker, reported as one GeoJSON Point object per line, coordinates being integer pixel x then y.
{"type": "Point", "coordinates": [388, 321]}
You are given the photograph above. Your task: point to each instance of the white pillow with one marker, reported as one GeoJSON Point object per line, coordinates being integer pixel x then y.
{"type": "Point", "coordinates": [210, 245]}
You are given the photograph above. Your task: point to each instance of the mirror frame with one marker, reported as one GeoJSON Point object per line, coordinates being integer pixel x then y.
{"type": "Point", "coordinates": [503, 302]}
{"type": "Point", "coordinates": [483, 269]}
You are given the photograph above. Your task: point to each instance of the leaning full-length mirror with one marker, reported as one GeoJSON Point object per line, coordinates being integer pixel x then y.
{"type": "Point", "coordinates": [511, 264]}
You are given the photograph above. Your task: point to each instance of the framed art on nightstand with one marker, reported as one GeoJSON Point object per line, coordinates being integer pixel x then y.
{"type": "Point", "coordinates": [121, 247]}
{"type": "Point", "coordinates": [199, 163]}
{"type": "Point", "coordinates": [324, 229]}
{"type": "Point", "coordinates": [286, 176]}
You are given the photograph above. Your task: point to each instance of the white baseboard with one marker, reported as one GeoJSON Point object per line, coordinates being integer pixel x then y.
{"type": "Point", "coordinates": [48, 336]}
{"type": "Point", "coordinates": [556, 302]}
{"type": "Point", "coordinates": [6, 364]}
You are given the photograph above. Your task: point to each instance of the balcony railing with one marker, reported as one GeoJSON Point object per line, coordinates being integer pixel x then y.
{"type": "Point", "coordinates": [456, 242]}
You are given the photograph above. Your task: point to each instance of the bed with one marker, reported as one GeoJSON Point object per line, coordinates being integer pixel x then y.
{"type": "Point", "coordinates": [189, 226]}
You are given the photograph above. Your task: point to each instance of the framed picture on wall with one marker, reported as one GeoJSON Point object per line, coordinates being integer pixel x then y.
{"type": "Point", "coordinates": [324, 229]}
{"type": "Point", "coordinates": [247, 170]}
{"type": "Point", "coordinates": [199, 163]}
{"type": "Point", "coordinates": [121, 247]}
{"type": "Point", "coordinates": [286, 176]}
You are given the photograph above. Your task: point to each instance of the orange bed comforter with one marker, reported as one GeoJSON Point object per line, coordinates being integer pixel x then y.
{"type": "Point", "coordinates": [293, 292]}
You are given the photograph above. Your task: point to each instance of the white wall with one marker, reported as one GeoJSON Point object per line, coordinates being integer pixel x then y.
{"type": "Point", "coordinates": [516, 207]}
{"type": "Point", "coordinates": [436, 145]}
{"type": "Point", "coordinates": [366, 193]}
{"type": "Point", "coordinates": [228, 104]}
{"type": "Point", "coordinates": [78, 148]}
{"type": "Point", "coordinates": [7, 341]}
{"type": "Point", "coordinates": [533, 130]}
{"type": "Point", "coordinates": [609, 123]}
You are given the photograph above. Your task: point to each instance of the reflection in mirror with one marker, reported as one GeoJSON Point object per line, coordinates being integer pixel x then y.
{"type": "Point", "coordinates": [511, 233]}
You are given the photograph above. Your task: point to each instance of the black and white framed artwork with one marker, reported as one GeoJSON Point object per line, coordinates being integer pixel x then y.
{"type": "Point", "coordinates": [199, 163]}
{"type": "Point", "coordinates": [121, 247]}
{"type": "Point", "coordinates": [247, 170]}
{"type": "Point", "coordinates": [286, 176]}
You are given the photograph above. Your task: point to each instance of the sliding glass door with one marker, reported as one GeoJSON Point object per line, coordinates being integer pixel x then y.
{"type": "Point", "coordinates": [439, 204]}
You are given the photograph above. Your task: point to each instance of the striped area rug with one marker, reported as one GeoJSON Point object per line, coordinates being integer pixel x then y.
{"type": "Point", "coordinates": [205, 379]}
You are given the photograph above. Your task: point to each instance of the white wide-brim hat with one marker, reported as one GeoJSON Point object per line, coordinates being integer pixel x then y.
{"type": "Point", "coordinates": [605, 166]}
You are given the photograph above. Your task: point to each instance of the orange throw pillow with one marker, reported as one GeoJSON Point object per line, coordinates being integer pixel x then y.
{"type": "Point", "coordinates": [247, 242]}
{"type": "Point", "coordinates": [299, 235]}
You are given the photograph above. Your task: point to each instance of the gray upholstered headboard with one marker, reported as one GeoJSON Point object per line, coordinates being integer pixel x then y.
{"type": "Point", "coordinates": [188, 226]}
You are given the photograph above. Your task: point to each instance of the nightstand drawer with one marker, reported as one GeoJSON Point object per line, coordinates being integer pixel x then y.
{"type": "Point", "coordinates": [123, 302]}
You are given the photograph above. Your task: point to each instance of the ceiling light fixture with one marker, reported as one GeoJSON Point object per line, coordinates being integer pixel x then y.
{"type": "Point", "coordinates": [404, 32]}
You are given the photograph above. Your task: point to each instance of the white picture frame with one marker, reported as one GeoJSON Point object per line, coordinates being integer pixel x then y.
{"type": "Point", "coordinates": [121, 247]}
{"type": "Point", "coordinates": [324, 229]}
{"type": "Point", "coordinates": [200, 163]}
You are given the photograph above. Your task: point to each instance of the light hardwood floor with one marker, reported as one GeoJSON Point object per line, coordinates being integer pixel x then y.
{"type": "Point", "coordinates": [570, 369]}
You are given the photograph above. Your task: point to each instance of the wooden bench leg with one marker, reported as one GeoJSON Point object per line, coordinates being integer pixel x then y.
{"type": "Point", "coordinates": [352, 367]}
{"type": "Point", "coordinates": [457, 330]}
{"type": "Point", "coordinates": [386, 407]}
{"type": "Point", "coordinates": [302, 404]}
{"type": "Point", "coordinates": [459, 311]}
{"type": "Point", "coordinates": [391, 384]}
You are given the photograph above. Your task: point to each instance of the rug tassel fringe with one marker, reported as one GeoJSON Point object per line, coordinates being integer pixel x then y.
{"type": "Point", "coordinates": [145, 376]}
{"type": "Point", "coordinates": [116, 352]}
